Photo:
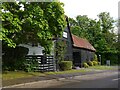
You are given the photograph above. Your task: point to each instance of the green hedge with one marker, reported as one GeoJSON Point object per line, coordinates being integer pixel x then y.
{"type": "Point", "coordinates": [65, 65]}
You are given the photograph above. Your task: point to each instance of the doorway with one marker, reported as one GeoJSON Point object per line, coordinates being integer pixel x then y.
{"type": "Point", "coordinates": [77, 59]}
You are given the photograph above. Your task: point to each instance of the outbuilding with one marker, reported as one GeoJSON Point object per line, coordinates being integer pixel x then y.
{"type": "Point", "coordinates": [82, 50]}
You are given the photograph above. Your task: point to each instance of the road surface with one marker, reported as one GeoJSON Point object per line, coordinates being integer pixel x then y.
{"type": "Point", "coordinates": [105, 82]}
{"type": "Point", "coordinates": [99, 80]}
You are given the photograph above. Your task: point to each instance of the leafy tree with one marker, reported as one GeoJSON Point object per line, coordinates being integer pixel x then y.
{"type": "Point", "coordinates": [99, 32]}
{"type": "Point", "coordinates": [107, 27]}
{"type": "Point", "coordinates": [80, 25]}
{"type": "Point", "coordinates": [60, 50]}
{"type": "Point", "coordinates": [11, 24]}
{"type": "Point", "coordinates": [38, 22]}
{"type": "Point", "coordinates": [106, 22]}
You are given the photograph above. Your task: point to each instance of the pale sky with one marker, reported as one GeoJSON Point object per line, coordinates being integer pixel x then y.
{"type": "Point", "coordinates": [91, 8]}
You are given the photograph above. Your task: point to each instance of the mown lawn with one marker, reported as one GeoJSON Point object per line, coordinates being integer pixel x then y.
{"type": "Point", "coordinates": [68, 71]}
{"type": "Point", "coordinates": [22, 74]}
{"type": "Point", "coordinates": [104, 67]}
{"type": "Point", "coordinates": [19, 74]}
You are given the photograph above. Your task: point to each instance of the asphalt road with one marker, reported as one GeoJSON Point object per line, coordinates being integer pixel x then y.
{"type": "Point", "coordinates": [98, 80]}
{"type": "Point", "coordinates": [105, 82]}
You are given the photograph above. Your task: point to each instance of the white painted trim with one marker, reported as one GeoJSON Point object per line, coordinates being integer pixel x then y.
{"type": "Point", "coordinates": [65, 34]}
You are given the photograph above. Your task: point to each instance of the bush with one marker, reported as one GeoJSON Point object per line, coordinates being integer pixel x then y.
{"type": "Point", "coordinates": [95, 58]}
{"type": "Point", "coordinates": [99, 63]}
{"type": "Point", "coordinates": [13, 58]}
{"type": "Point", "coordinates": [95, 63]}
{"type": "Point", "coordinates": [65, 65]}
{"type": "Point", "coordinates": [90, 63]}
{"type": "Point", "coordinates": [85, 65]}
{"type": "Point", "coordinates": [30, 65]}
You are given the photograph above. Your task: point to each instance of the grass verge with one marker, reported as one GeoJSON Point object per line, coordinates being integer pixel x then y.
{"type": "Point", "coordinates": [19, 74]}
{"type": "Point", "coordinates": [68, 71]}
{"type": "Point", "coordinates": [22, 74]}
{"type": "Point", "coordinates": [104, 67]}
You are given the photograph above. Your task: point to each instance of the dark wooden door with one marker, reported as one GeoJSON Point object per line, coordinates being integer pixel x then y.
{"type": "Point", "coordinates": [76, 59]}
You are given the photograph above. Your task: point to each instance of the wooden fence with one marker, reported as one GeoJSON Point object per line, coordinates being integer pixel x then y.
{"type": "Point", "coordinates": [42, 63]}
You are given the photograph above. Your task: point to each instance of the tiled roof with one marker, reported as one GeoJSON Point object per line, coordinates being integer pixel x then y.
{"type": "Point", "coordinates": [82, 43]}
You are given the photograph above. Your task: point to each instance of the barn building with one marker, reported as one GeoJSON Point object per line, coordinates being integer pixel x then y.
{"type": "Point", "coordinates": [78, 50]}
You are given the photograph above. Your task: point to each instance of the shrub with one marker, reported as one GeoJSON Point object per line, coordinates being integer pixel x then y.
{"type": "Point", "coordinates": [65, 65]}
{"type": "Point", "coordinates": [13, 58]}
{"type": "Point", "coordinates": [30, 65]}
{"type": "Point", "coordinates": [90, 63]}
{"type": "Point", "coordinates": [95, 58]}
{"type": "Point", "coordinates": [85, 65]}
{"type": "Point", "coordinates": [95, 63]}
{"type": "Point", "coordinates": [99, 63]}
